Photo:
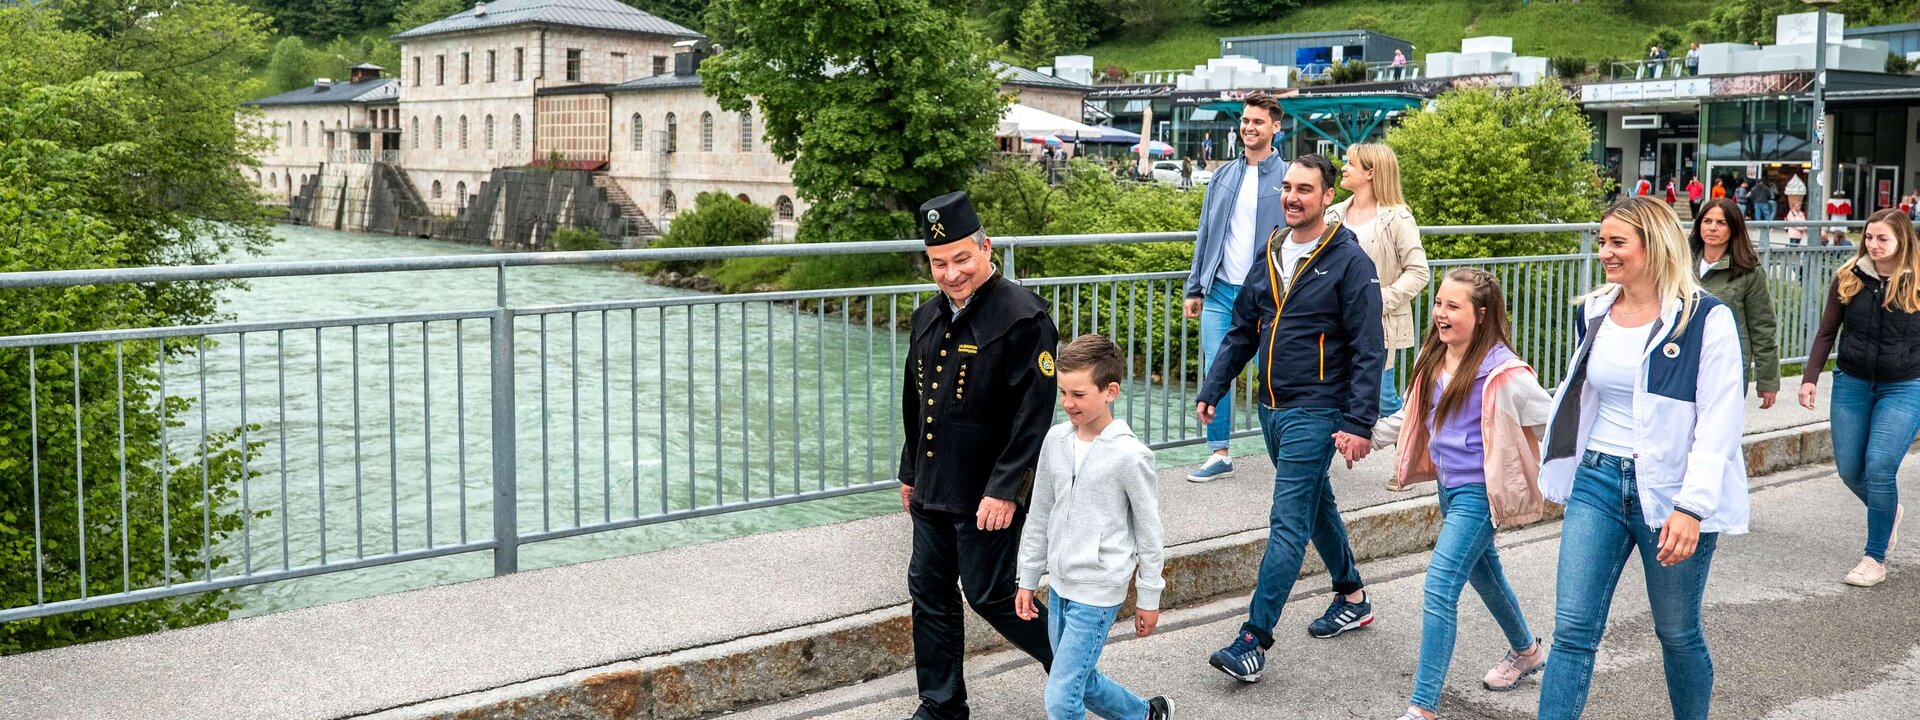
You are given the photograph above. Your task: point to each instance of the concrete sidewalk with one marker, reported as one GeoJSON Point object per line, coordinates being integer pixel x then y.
{"type": "Point", "coordinates": [1790, 642]}
{"type": "Point", "coordinates": [671, 634]}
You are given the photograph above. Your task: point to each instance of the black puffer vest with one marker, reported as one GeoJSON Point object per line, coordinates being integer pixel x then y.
{"type": "Point", "coordinates": [1877, 343]}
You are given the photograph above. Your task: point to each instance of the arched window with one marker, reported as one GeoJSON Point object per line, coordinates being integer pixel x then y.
{"type": "Point", "coordinates": [706, 132]}
{"type": "Point", "coordinates": [303, 134]}
{"type": "Point", "coordinates": [463, 132]}
{"type": "Point", "coordinates": [436, 190]}
{"type": "Point", "coordinates": [673, 133]}
{"type": "Point", "coordinates": [668, 207]}
{"type": "Point", "coordinates": [488, 130]}
{"type": "Point", "coordinates": [742, 197]}
{"type": "Point", "coordinates": [439, 133]}
{"type": "Point", "coordinates": [416, 132]}
{"type": "Point", "coordinates": [303, 180]}
{"type": "Point", "coordinates": [746, 131]}
{"type": "Point", "coordinates": [637, 128]}
{"type": "Point", "coordinates": [783, 209]}
{"type": "Point", "coordinates": [288, 180]}
{"type": "Point", "coordinates": [273, 181]}
{"type": "Point", "coordinates": [516, 131]}
{"type": "Point", "coordinates": [460, 195]}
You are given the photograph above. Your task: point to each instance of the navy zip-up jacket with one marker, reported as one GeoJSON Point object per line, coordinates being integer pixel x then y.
{"type": "Point", "coordinates": [1320, 342]}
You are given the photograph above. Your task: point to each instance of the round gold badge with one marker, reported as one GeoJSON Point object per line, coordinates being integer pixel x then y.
{"type": "Point", "coordinates": [1046, 363]}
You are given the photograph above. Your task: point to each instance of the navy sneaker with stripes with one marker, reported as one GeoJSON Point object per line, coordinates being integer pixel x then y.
{"type": "Point", "coordinates": [1243, 660]}
{"type": "Point", "coordinates": [1343, 616]}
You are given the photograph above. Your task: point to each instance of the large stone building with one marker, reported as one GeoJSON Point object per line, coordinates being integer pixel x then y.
{"type": "Point", "coordinates": [592, 88]}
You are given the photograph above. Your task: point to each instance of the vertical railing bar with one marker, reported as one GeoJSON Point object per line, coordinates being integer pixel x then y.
{"type": "Point", "coordinates": [820, 388]}
{"type": "Point", "coordinates": [746, 406]}
{"type": "Point", "coordinates": [359, 503]}
{"type": "Point", "coordinates": [280, 420]}
{"type": "Point", "coordinates": [206, 468]}
{"type": "Point", "coordinates": [166, 483]}
{"type": "Point", "coordinates": [846, 432]}
{"type": "Point", "coordinates": [79, 466]}
{"type": "Point", "coordinates": [719, 445]}
{"type": "Point", "coordinates": [393, 445]}
{"type": "Point", "coordinates": [1076, 310]}
{"type": "Point", "coordinates": [505, 432]}
{"type": "Point", "coordinates": [33, 446]}
{"type": "Point", "coordinates": [546, 520]}
{"type": "Point", "coordinates": [320, 439]}
{"type": "Point", "coordinates": [867, 379]}
{"type": "Point", "coordinates": [1185, 406]}
{"type": "Point", "coordinates": [120, 393]}
{"type": "Point", "coordinates": [633, 398]}
{"type": "Point", "coordinates": [1132, 307]}
{"type": "Point", "coordinates": [1166, 348]}
{"type": "Point", "coordinates": [693, 441]}
{"type": "Point", "coordinates": [460, 415]}
{"type": "Point", "coordinates": [246, 474]}
{"type": "Point", "coordinates": [793, 365]}
{"type": "Point", "coordinates": [773, 436]}
{"type": "Point", "coordinates": [893, 370]}
{"type": "Point", "coordinates": [660, 367]}
{"type": "Point", "coordinates": [426, 423]}
{"type": "Point", "coordinates": [573, 388]}
{"type": "Point", "coordinates": [606, 426]}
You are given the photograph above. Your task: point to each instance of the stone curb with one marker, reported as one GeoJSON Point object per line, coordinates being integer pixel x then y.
{"type": "Point", "coordinates": [714, 679]}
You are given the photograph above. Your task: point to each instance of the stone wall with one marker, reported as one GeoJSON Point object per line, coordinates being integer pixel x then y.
{"type": "Point", "coordinates": [520, 208]}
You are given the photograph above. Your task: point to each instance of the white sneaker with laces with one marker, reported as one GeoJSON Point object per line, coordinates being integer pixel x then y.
{"type": "Point", "coordinates": [1867, 574]}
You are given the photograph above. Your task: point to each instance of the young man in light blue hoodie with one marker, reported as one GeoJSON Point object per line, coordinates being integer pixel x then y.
{"type": "Point", "coordinates": [1095, 519]}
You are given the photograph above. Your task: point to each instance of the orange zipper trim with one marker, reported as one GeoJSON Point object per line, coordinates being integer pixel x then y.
{"type": "Point", "coordinates": [1280, 303]}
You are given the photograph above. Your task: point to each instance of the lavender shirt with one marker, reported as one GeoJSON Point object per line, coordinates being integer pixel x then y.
{"type": "Point", "coordinates": [1457, 448]}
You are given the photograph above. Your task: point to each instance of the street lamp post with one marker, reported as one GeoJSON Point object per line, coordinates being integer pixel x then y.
{"type": "Point", "coordinates": [1817, 190]}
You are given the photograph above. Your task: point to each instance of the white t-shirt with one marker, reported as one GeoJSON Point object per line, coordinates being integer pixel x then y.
{"type": "Point", "coordinates": [1364, 231]}
{"type": "Point", "coordinates": [1705, 265]}
{"type": "Point", "coordinates": [1241, 239]}
{"type": "Point", "coordinates": [1613, 367]}
{"type": "Point", "coordinates": [1291, 253]}
{"type": "Point", "coordinates": [1080, 448]}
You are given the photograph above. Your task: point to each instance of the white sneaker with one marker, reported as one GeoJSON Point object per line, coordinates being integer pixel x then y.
{"type": "Point", "coordinates": [1867, 574]}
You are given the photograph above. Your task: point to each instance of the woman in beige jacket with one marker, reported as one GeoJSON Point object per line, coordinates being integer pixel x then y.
{"type": "Point", "coordinates": [1378, 215]}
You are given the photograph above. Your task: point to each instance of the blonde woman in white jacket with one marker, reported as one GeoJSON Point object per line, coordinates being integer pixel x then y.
{"type": "Point", "coordinates": [1644, 451]}
{"type": "Point", "coordinates": [1378, 215]}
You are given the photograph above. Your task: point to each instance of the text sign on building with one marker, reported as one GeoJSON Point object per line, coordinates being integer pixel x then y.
{"type": "Point", "coordinates": [1650, 90]}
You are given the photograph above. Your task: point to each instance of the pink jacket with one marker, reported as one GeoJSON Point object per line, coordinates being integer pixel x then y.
{"type": "Point", "coordinates": [1514, 411]}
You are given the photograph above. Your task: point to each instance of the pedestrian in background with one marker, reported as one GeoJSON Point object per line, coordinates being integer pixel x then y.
{"type": "Point", "coordinates": [1377, 214]}
{"type": "Point", "coordinates": [1762, 198]}
{"type": "Point", "coordinates": [1730, 269]}
{"type": "Point", "coordinates": [1876, 381]}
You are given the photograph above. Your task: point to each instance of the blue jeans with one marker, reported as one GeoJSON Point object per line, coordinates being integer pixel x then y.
{"type": "Point", "coordinates": [1604, 525]}
{"type": "Point", "coordinates": [1873, 424]}
{"type": "Point", "coordinates": [1075, 686]}
{"type": "Point", "coordinates": [1300, 442]}
{"type": "Point", "coordinates": [1764, 210]}
{"type": "Point", "coordinates": [1216, 318]}
{"type": "Point", "coordinates": [1389, 395]}
{"type": "Point", "coordinates": [1463, 554]}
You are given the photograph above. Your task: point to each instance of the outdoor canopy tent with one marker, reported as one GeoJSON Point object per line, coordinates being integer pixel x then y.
{"type": "Point", "coordinates": [1342, 119]}
{"type": "Point", "coordinates": [1025, 121]}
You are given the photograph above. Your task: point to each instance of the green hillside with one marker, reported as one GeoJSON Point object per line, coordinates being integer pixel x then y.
{"type": "Point", "coordinates": [1592, 29]}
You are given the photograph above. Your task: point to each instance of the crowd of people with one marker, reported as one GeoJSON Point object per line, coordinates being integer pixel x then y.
{"type": "Point", "coordinates": [1640, 442]}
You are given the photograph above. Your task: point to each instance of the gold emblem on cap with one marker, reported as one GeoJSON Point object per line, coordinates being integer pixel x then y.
{"type": "Point", "coordinates": [939, 230]}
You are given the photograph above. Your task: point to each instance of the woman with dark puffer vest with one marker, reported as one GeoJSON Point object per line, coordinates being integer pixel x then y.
{"type": "Point", "coordinates": [1876, 382]}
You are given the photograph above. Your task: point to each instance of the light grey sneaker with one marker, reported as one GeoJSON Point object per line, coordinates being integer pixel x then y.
{"type": "Point", "coordinates": [1411, 715]}
{"type": "Point", "coordinates": [1507, 674]}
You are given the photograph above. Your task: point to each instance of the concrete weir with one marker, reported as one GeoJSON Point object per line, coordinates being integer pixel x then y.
{"type": "Point", "coordinates": [514, 209]}
{"type": "Point", "coordinates": [682, 633]}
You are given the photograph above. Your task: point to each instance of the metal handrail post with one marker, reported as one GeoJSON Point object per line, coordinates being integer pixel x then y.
{"type": "Point", "coordinates": [1586, 256]}
{"type": "Point", "coordinates": [506, 501]}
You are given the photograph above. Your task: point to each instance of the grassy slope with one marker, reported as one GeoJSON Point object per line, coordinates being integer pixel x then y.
{"type": "Point", "coordinates": [1592, 29]}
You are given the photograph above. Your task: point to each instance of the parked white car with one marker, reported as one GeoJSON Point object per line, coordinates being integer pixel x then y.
{"type": "Point", "coordinates": [1168, 172]}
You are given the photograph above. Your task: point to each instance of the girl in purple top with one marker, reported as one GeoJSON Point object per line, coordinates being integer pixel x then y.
{"type": "Point", "coordinates": [1472, 421]}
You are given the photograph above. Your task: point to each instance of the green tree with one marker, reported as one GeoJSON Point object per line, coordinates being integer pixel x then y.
{"type": "Point", "coordinates": [1753, 21]}
{"type": "Point", "coordinates": [291, 66]}
{"type": "Point", "coordinates": [893, 101]}
{"type": "Point", "coordinates": [1487, 156]}
{"type": "Point", "coordinates": [716, 220]}
{"type": "Point", "coordinates": [420, 12]}
{"type": "Point", "coordinates": [118, 148]}
{"type": "Point", "coordinates": [1228, 12]}
{"type": "Point", "coordinates": [1039, 33]}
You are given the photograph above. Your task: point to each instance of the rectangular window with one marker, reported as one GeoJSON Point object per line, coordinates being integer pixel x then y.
{"type": "Point", "coordinates": [574, 63]}
{"type": "Point", "coordinates": [659, 64]}
{"type": "Point", "coordinates": [491, 61]}
{"type": "Point", "coordinates": [418, 78]}
{"type": "Point", "coordinates": [519, 64]}
{"type": "Point", "coordinates": [466, 68]}
{"type": "Point", "coordinates": [439, 69]}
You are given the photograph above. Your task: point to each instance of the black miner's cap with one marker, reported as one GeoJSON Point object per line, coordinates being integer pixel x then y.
{"type": "Point", "coordinates": [948, 218]}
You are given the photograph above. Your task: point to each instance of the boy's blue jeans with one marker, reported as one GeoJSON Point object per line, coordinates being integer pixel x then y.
{"type": "Point", "coordinates": [1463, 554]}
{"type": "Point", "coordinates": [1873, 425]}
{"type": "Point", "coordinates": [1075, 686]}
{"type": "Point", "coordinates": [1604, 525]}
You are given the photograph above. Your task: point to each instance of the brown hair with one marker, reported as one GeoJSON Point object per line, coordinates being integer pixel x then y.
{"type": "Point", "coordinates": [1265, 102]}
{"type": "Point", "coordinates": [1096, 353]}
{"type": "Point", "coordinates": [1903, 289]}
{"type": "Point", "coordinates": [1743, 259]}
{"type": "Point", "coordinates": [1490, 327]}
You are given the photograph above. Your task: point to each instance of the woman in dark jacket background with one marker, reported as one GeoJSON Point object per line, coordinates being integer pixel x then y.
{"type": "Point", "coordinates": [1730, 269]}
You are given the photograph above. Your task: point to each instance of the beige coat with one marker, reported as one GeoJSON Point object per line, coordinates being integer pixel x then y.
{"type": "Point", "coordinates": [1402, 264]}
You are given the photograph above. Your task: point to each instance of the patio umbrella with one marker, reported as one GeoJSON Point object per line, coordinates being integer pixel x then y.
{"type": "Point", "coordinates": [1154, 148]}
{"type": "Point", "coordinates": [1047, 140]}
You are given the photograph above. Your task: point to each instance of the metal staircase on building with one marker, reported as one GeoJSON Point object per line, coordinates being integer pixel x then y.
{"type": "Point", "coordinates": [639, 230]}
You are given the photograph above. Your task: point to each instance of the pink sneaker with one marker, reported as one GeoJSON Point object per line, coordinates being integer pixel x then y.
{"type": "Point", "coordinates": [1507, 674]}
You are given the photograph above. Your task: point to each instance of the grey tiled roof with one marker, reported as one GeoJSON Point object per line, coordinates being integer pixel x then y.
{"type": "Point", "coordinates": [594, 14]}
{"type": "Point", "coordinates": [657, 82]}
{"type": "Point", "coordinates": [339, 92]}
{"type": "Point", "coordinates": [1016, 75]}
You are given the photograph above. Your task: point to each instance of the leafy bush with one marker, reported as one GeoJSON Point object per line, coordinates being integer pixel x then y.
{"type": "Point", "coordinates": [1228, 12]}
{"type": "Point", "coordinates": [716, 220]}
{"type": "Point", "coordinates": [1568, 68]}
{"type": "Point", "coordinates": [1351, 71]}
{"type": "Point", "coordinates": [571, 239]}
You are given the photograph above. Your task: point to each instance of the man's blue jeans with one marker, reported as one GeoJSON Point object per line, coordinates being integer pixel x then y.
{"type": "Point", "coordinates": [1764, 210]}
{"type": "Point", "coordinates": [1463, 554]}
{"type": "Point", "coordinates": [1605, 525]}
{"type": "Point", "coordinates": [1075, 686]}
{"type": "Point", "coordinates": [1873, 425]}
{"type": "Point", "coordinates": [1216, 317]}
{"type": "Point", "coordinates": [1300, 441]}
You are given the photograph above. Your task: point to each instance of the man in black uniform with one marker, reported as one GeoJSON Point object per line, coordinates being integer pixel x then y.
{"type": "Point", "coordinates": [977, 401]}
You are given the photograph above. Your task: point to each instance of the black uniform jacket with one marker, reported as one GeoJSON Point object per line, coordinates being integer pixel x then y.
{"type": "Point", "coordinates": [978, 398]}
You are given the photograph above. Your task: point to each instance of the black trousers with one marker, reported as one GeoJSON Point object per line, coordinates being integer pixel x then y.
{"type": "Point", "coordinates": [948, 548]}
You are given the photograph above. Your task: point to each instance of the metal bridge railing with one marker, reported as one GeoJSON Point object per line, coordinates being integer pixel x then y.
{"type": "Point", "coordinates": [318, 445]}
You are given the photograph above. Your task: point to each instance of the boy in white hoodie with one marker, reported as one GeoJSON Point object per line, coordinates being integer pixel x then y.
{"type": "Point", "coordinates": [1095, 519]}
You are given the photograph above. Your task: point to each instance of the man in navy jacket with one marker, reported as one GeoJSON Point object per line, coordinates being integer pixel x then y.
{"type": "Point", "coordinates": [1310, 309]}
